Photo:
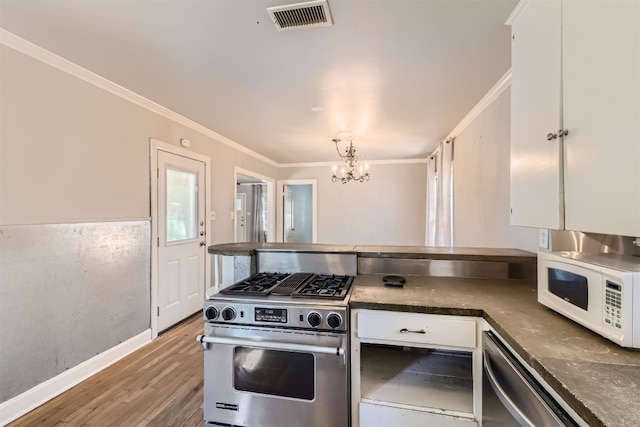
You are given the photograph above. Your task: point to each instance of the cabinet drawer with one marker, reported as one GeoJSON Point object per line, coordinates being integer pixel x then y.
{"type": "Point", "coordinates": [373, 415]}
{"type": "Point", "coordinates": [417, 328]}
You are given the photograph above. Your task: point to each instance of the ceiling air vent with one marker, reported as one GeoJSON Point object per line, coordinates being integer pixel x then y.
{"type": "Point", "coordinates": [301, 15]}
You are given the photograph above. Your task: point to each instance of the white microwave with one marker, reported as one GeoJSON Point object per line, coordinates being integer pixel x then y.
{"type": "Point", "coordinates": [598, 291]}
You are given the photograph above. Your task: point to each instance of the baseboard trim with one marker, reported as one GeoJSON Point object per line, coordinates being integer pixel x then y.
{"type": "Point", "coordinates": [16, 407]}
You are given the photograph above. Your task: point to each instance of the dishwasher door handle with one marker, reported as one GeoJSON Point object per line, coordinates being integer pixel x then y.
{"type": "Point", "coordinates": [502, 395]}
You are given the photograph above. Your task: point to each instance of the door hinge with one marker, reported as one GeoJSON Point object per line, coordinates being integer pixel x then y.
{"type": "Point", "coordinates": [158, 242]}
{"type": "Point", "coordinates": [158, 172]}
{"type": "Point", "coordinates": [158, 311]}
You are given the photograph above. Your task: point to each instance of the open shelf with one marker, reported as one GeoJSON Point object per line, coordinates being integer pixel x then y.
{"type": "Point", "coordinates": [436, 381]}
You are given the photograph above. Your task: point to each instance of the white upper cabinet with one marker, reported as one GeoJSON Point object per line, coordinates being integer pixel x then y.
{"type": "Point", "coordinates": [576, 68]}
{"type": "Point", "coordinates": [536, 172]}
{"type": "Point", "coordinates": [601, 105]}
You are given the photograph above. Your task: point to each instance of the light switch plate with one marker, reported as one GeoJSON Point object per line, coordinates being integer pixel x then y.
{"type": "Point", "coordinates": [212, 215]}
{"type": "Point", "coordinates": [544, 238]}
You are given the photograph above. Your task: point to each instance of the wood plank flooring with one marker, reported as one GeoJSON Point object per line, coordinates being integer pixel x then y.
{"type": "Point", "coordinates": [159, 385]}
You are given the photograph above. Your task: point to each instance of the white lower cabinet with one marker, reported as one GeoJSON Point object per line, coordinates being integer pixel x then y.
{"type": "Point", "coordinates": [412, 369]}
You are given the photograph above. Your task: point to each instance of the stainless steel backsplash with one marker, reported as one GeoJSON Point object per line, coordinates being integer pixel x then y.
{"type": "Point", "coordinates": [577, 241]}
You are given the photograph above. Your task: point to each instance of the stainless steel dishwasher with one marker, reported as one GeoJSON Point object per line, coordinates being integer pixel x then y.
{"type": "Point", "coordinates": [511, 396]}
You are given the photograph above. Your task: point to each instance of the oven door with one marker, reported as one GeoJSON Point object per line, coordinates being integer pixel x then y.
{"type": "Point", "coordinates": [274, 377]}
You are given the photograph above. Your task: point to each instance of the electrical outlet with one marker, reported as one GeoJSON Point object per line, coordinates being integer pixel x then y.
{"type": "Point", "coordinates": [544, 238]}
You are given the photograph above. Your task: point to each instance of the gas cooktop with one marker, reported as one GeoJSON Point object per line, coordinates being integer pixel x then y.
{"type": "Point", "coordinates": [296, 285]}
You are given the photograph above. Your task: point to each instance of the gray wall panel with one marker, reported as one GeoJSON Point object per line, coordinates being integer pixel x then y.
{"type": "Point", "coordinates": [67, 293]}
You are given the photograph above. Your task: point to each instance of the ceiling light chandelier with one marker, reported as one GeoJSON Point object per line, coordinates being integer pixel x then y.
{"type": "Point", "coordinates": [349, 172]}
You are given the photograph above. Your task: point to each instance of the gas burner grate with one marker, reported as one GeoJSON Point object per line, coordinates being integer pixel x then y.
{"type": "Point", "coordinates": [290, 284]}
{"type": "Point", "coordinates": [258, 284]}
{"type": "Point", "coordinates": [325, 286]}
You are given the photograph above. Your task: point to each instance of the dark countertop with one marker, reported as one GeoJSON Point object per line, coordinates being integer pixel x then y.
{"type": "Point", "coordinates": [597, 378]}
{"type": "Point", "coordinates": [404, 252]}
{"type": "Point", "coordinates": [250, 249]}
{"type": "Point", "coordinates": [458, 254]}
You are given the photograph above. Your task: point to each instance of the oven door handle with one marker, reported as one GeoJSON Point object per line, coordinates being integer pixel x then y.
{"type": "Point", "coordinates": [206, 340]}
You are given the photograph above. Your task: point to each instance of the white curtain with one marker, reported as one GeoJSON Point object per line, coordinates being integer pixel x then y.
{"type": "Point", "coordinates": [440, 196]}
{"type": "Point", "coordinates": [258, 233]}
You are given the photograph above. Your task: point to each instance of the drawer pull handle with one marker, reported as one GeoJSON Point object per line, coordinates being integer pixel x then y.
{"type": "Point", "coordinates": [406, 331]}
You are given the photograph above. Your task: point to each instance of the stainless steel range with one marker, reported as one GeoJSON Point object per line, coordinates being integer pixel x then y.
{"type": "Point", "coordinates": [277, 344]}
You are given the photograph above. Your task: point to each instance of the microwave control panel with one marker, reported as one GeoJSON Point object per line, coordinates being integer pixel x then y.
{"type": "Point", "coordinates": [613, 304]}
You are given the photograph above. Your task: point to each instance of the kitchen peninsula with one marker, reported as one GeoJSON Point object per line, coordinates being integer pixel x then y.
{"type": "Point", "coordinates": [599, 380]}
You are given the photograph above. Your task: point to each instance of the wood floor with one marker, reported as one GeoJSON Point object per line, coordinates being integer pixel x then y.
{"type": "Point", "coordinates": [159, 385]}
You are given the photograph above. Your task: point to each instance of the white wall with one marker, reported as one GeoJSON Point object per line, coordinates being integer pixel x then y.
{"type": "Point", "coordinates": [74, 152]}
{"type": "Point", "coordinates": [481, 182]}
{"type": "Point", "coordinates": [387, 210]}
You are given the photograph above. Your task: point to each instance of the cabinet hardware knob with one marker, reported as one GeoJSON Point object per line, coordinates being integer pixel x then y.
{"type": "Point", "coordinates": [560, 134]}
{"type": "Point", "coordinates": [406, 331]}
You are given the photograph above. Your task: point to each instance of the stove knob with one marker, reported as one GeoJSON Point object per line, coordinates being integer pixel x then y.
{"type": "Point", "coordinates": [211, 313]}
{"type": "Point", "coordinates": [228, 313]}
{"type": "Point", "coordinates": [314, 319]}
{"type": "Point", "coordinates": [334, 320]}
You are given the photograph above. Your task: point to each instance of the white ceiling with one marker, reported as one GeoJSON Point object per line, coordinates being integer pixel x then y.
{"type": "Point", "coordinates": [398, 75]}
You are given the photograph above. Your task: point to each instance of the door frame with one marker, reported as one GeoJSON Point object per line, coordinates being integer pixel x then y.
{"type": "Point", "coordinates": [314, 206]}
{"type": "Point", "coordinates": [271, 199]}
{"type": "Point", "coordinates": [154, 147]}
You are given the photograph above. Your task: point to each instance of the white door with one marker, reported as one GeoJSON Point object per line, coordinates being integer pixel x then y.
{"type": "Point", "coordinates": [241, 218]}
{"type": "Point", "coordinates": [181, 238]}
{"type": "Point", "coordinates": [287, 208]}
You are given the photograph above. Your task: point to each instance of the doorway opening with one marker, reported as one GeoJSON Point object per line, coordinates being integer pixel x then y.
{"type": "Point", "coordinates": [254, 207]}
{"type": "Point", "coordinates": [297, 209]}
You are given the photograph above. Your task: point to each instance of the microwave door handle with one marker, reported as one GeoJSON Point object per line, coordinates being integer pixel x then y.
{"type": "Point", "coordinates": [502, 395]}
{"type": "Point", "coordinates": [205, 340]}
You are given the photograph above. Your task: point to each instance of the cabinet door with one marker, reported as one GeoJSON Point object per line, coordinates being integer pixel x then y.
{"type": "Point", "coordinates": [536, 163]}
{"type": "Point", "coordinates": [601, 103]}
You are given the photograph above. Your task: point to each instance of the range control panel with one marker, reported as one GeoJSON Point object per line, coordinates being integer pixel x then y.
{"type": "Point", "coordinates": [275, 315]}
{"type": "Point", "coordinates": [290, 316]}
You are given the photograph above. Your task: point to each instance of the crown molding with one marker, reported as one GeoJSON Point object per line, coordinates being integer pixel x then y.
{"type": "Point", "coordinates": [516, 12]}
{"type": "Point", "coordinates": [30, 49]}
{"type": "Point", "coordinates": [370, 162]}
{"type": "Point", "coordinates": [487, 100]}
